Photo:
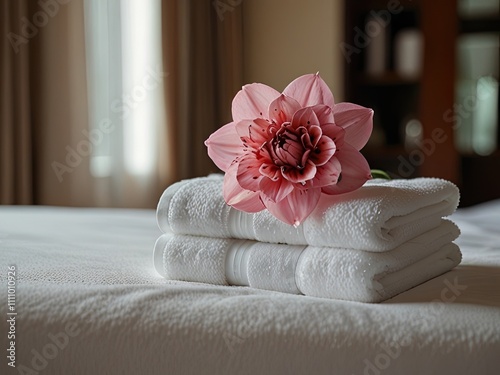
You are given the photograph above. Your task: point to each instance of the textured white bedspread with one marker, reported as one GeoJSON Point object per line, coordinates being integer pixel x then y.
{"type": "Point", "coordinates": [88, 301]}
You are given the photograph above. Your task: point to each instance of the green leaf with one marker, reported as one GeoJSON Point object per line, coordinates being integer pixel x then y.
{"type": "Point", "coordinates": [377, 173]}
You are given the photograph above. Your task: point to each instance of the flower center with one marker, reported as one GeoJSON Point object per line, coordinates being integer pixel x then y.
{"type": "Point", "coordinates": [289, 147]}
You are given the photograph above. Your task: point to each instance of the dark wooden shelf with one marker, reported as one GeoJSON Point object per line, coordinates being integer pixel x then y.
{"type": "Point", "coordinates": [395, 99]}
{"type": "Point", "coordinates": [386, 79]}
{"type": "Point", "coordinates": [388, 159]}
{"type": "Point", "coordinates": [493, 155]}
{"type": "Point", "coordinates": [480, 180]}
{"type": "Point", "coordinates": [383, 151]}
{"type": "Point", "coordinates": [479, 25]}
{"type": "Point", "coordinates": [369, 5]}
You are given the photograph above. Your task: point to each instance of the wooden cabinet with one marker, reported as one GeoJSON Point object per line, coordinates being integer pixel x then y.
{"type": "Point", "coordinates": [401, 60]}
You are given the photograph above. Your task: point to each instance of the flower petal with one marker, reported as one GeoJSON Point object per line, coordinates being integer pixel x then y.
{"type": "Point", "coordinates": [253, 130]}
{"type": "Point", "coordinates": [236, 196]}
{"type": "Point", "coordinates": [314, 134]}
{"type": "Point", "coordinates": [297, 175]}
{"type": "Point", "coordinates": [224, 145]}
{"type": "Point", "coordinates": [282, 109]}
{"type": "Point", "coordinates": [323, 151]}
{"type": "Point", "coordinates": [357, 122]}
{"type": "Point", "coordinates": [270, 170]}
{"type": "Point", "coordinates": [296, 207]}
{"type": "Point", "coordinates": [335, 133]}
{"type": "Point", "coordinates": [275, 190]}
{"type": "Point", "coordinates": [248, 174]}
{"type": "Point", "coordinates": [324, 113]}
{"type": "Point", "coordinates": [309, 90]}
{"type": "Point", "coordinates": [355, 171]}
{"type": "Point", "coordinates": [305, 117]}
{"type": "Point", "coordinates": [252, 101]}
{"type": "Point", "coordinates": [327, 174]}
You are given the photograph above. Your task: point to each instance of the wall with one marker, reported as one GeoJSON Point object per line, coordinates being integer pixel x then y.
{"type": "Point", "coordinates": [284, 39]}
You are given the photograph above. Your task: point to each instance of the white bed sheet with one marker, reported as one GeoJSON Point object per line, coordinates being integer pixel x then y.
{"type": "Point", "coordinates": [86, 282]}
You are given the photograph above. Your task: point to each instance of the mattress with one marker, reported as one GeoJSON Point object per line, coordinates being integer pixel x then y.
{"type": "Point", "coordinates": [80, 296]}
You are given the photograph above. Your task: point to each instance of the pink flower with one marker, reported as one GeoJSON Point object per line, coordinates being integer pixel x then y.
{"type": "Point", "coordinates": [282, 151]}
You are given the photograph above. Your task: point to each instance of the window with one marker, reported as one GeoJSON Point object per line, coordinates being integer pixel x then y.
{"type": "Point", "coordinates": [124, 75]}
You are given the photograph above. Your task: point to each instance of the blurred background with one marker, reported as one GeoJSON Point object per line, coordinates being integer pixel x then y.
{"type": "Point", "coordinates": [106, 102]}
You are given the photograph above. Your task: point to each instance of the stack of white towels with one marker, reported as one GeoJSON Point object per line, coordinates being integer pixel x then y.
{"type": "Point", "coordinates": [367, 245]}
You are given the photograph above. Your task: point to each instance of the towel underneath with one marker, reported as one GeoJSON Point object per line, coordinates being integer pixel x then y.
{"type": "Point", "coordinates": [377, 217]}
{"type": "Point", "coordinates": [336, 273]}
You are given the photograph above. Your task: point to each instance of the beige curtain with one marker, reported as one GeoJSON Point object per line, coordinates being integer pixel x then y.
{"type": "Point", "coordinates": [202, 49]}
{"type": "Point", "coordinates": [44, 106]}
{"type": "Point", "coordinates": [16, 147]}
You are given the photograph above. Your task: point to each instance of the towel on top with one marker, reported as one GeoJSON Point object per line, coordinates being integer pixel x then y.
{"type": "Point", "coordinates": [379, 216]}
{"type": "Point", "coordinates": [328, 272]}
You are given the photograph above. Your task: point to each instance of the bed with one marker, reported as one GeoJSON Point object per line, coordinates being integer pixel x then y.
{"type": "Point", "coordinates": [85, 298]}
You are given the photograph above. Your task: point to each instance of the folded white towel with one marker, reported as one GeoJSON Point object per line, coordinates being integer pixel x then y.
{"type": "Point", "coordinates": [377, 217]}
{"type": "Point", "coordinates": [314, 271]}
